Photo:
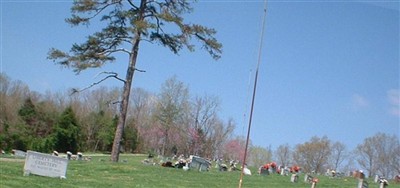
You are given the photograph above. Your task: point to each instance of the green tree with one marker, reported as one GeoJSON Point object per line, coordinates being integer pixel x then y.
{"type": "Point", "coordinates": [172, 105]}
{"type": "Point", "coordinates": [66, 132]}
{"type": "Point", "coordinates": [128, 23]}
{"type": "Point", "coordinates": [29, 115]}
{"type": "Point", "coordinates": [39, 120]}
{"type": "Point", "coordinates": [98, 131]}
{"type": "Point", "coordinates": [130, 137]}
{"type": "Point", "coordinates": [28, 112]}
{"type": "Point", "coordinates": [105, 135]}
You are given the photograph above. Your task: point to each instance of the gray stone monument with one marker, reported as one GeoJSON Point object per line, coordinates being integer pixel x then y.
{"type": "Point", "coordinates": [199, 163]}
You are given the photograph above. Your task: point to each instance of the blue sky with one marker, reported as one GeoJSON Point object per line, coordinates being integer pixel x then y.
{"type": "Point", "coordinates": [327, 68]}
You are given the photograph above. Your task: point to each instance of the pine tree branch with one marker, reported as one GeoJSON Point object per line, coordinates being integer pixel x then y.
{"type": "Point", "coordinates": [80, 7]}
{"type": "Point", "coordinates": [109, 52]}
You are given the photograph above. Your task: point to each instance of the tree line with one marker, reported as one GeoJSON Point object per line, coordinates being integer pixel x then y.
{"type": "Point", "coordinates": [166, 123]}
{"type": "Point", "coordinates": [171, 122]}
{"type": "Point", "coordinates": [376, 155]}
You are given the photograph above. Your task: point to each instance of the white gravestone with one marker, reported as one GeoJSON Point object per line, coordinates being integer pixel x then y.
{"type": "Point", "coordinates": [294, 178]}
{"type": "Point", "coordinates": [376, 179]}
{"type": "Point", "coordinates": [45, 165]}
{"type": "Point", "coordinates": [19, 153]}
{"type": "Point", "coordinates": [362, 183]}
{"type": "Point", "coordinates": [306, 178]}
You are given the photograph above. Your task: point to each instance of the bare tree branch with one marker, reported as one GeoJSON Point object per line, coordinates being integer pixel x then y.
{"type": "Point", "coordinates": [110, 75]}
{"type": "Point", "coordinates": [133, 5]}
{"type": "Point", "coordinates": [112, 102]}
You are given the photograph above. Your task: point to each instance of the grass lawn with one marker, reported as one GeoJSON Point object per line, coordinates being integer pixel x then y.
{"type": "Point", "coordinates": [99, 172]}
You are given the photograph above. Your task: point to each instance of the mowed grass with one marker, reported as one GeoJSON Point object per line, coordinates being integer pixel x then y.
{"type": "Point", "coordinates": [100, 172]}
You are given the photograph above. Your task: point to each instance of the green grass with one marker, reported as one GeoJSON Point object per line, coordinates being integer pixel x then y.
{"type": "Point", "coordinates": [101, 173]}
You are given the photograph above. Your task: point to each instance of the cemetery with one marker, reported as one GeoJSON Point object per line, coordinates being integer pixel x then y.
{"type": "Point", "coordinates": [137, 170]}
{"type": "Point", "coordinates": [318, 79]}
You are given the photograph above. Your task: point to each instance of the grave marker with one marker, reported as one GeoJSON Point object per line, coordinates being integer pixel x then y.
{"type": "Point", "coordinates": [314, 183]}
{"type": "Point", "coordinates": [383, 183]}
{"type": "Point", "coordinates": [80, 156]}
{"type": "Point", "coordinates": [199, 163]}
{"type": "Point", "coordinates": [376, 179]}
{"type": "Point", "coordinates": [362, 183]}
{"type": "Point", "coordinates": [19, 153]}
{"type": "Point", "coordinates": [308, 178]}
{"type": "Point", "coordinates": [294, 178]}
{"type": "Point", "coordinates": [69, 155]}
{"type": "Point", "coordinates": [45, 165]}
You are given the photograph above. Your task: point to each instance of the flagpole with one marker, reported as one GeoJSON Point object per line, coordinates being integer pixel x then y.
{"type": "Point", "coordinates": [254, 94]}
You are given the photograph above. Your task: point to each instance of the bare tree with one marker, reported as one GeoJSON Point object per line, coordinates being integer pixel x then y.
{"type": "Point", "coordinates": [95, 113]}
{"type": "Point", "coordinates": [203, 118]}
{"type": "Point", "coordinates": [395, 160]}
{"type": "Point", "coordinates": [12, 95]}
{"type": "Point", "coordinates": [338, 155]}
{"type": "Point", "coordinates": [129, 23]}
{"type": "Point", "coordinates": [283, 155]}
{"type": "Point", "coordinates": [220, 134]}
{"type": "Point", "coordinates": [259, 156]}
{"type": "Point", "coordinates": [376, 154]}
{"type": "Point", "coordinates": [143, 104]}
{"type": "Point", "coordinates": [313, 156]}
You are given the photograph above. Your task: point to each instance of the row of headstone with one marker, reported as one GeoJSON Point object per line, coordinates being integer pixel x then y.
{"type": "Point", "coordinates": [307, 179]}
{"type": "Point", "coordinates": [382, 181]}
{"type": "Point", "coordinates": [78, 156]}
{"type": "Point", "coordinates": [284, 171]}
{"type": "Point", "coordinates": [334, 174]}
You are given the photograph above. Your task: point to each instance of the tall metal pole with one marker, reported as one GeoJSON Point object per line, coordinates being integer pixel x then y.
{"type": "Point", "coordinates": [254, 94]}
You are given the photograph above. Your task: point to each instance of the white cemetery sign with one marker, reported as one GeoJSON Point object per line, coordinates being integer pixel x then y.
{"type": "Point", "coordinates": [45, 165]}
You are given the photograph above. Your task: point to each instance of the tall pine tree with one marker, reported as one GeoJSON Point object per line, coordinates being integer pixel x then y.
{"type": "Point", "coordinates": [129, 23]}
